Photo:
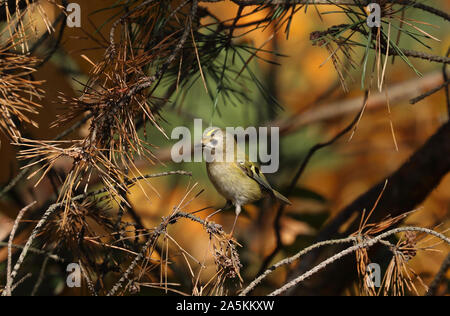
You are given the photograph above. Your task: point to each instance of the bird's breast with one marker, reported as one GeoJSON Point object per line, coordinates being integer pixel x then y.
{"type": "Point", "coordinates": [230, 181]}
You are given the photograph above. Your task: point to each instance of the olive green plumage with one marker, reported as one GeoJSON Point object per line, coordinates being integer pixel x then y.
{"type": "Point", "coordinates": [239, 181]}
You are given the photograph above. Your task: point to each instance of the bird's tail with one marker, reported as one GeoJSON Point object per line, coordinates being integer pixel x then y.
{"type": "Point", "coordinates": [281, 197]}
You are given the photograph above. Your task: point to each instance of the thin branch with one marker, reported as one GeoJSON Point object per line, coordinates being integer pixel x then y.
{"type": "Point", "coordinates": [27, 276]}
{"type": "Point", "coordinates": [40, 278]}
{"type": "Point", "coordinates": [147, 82]}
{"type": "Point", "coordinates": [330, 111]}
{"type": "Point", "coordinates": [288, 2]}
{"type": "Point", "coordinates": [62, 17]}
{"type": "Point", "coordinates": [23, 173]}
{"type": "Point", "coordinates": [397, 199]}
{"type": "Point", "coordinates": [447, 90]}
{"type": "Point", "coordinates": [312, 151]}
{"type": "Point", "coordinates": [429, 93]}
{"type": "Point", "coordinates": [423, 55]}
{"type": "Point", "coordinates": [364, 244]}
{"type": "Point", "coordinates": [211, 227]}
{"type": "Point", "coordinates": [57, 42]}
{"type": "Point", "coordinates": [411, 3]}
{"type": "Point", "coordinates": [90, 285]}
{"type": "Point", "coordinates": [289, 260]}
{"type": "Point", "coordinates": [439, 277]}
{"type": "Point", "coordinates": [35, 251]}
{"type": "Point", "coordinates": [54, 207]}
{"type": "Point", "coordinates": [30, 240]}
{"type": "Point", "coordinates": [9, 276]}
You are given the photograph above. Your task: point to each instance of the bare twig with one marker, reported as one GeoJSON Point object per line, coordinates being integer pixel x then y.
{"type": "Point", "coordinates": [54, 207]}
{"type": "Point", "coordinates": [397, 93]}
{"type": "Point", "coordinates": [27, 276]}
{"type": "Point", "coordinates": [429, 93]}
{"type": "Point", "coordinates": [423, 55]}
{"type": "Point", "coordinates": [211, 227]}
{"type": "Point", "coordinates": [289, 260]}
{"type": "Point", "coordinates": [447, 89]}
{"type": "Point", "coordinates": [9, 276]}
{"type": "Point", "coordinates": [35, 251]}
{"type": "Point", "coordinates": [89, 283]}
{"type": "Point", "coordinates": [364, 244]}
{"type": "Point", "coordinates": [57, 43]}
{"type": "Point", "coordinates": [40, 278]}
{"type": "Point", "coordinates": [411, 3]}
{"type": "Point", "coordinates": [148, 82]}
{"type": "Point", "coordinates": [62, 17]}
{"type": "Point", "coordinates": [30, 240]}
{"type": "Point", "coordinates": [23, 173]}
{"type": "Point", "coordinates": [312, 151]}
{"type": "Point", "coordinates": [439, 277]}
{"type": "Point", "coordinates": [397, 199]}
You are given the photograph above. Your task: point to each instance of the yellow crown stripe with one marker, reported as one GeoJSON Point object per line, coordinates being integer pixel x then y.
{"type": "Point", "coordinates": [212, 131]}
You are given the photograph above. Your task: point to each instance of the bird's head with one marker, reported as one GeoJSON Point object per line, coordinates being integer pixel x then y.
{"type": "Point", "coordinates": [214, 138]}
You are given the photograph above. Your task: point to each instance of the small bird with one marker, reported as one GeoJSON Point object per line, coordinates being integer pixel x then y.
{"type": "Point", "coordinates": [240, 181]}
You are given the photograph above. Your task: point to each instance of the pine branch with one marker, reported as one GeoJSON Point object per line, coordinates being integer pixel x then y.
{"type": "Point", "coordinates": [49, 212]}
{"type": "Point", "coordinates": [407, 188]}
{"type": "Point", "coordinates": [369, 242]}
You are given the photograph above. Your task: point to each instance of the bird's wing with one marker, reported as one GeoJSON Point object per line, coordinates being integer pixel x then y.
{"type": "Point", "coordinates": [252, 170]}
